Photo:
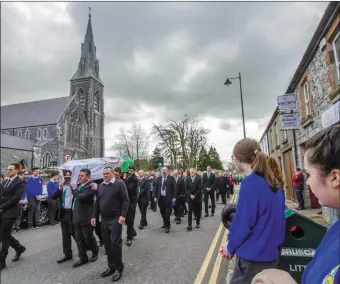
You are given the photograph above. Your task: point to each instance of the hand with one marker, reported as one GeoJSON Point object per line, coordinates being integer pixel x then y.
{"type": "Point", "coordinates": [155, 200]}
{"type": "Point", "coordinates": [21, 201]}
{"type": "Point", "coordinates": [174, 200]}
{"type": "Point", "coordinates": [224, 252]}
{"type": "Point", "coordinates": [74, 186]}
{"type": "Point", "coordinates": [93, 222]}
{"type": "Point", "coordinates": [121, 220]}
{"type": "Point", "coordinates": [38, 197]}
{"type": "Point", "coordinates": [94, 186]}
{"type": "Point", "coordinates": [208, 188]}
{"type": "Point", "coordinates": [192, 197]}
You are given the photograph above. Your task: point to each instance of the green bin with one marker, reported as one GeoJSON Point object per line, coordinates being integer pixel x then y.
{"type": "Point", "coordinates": [302, 237]}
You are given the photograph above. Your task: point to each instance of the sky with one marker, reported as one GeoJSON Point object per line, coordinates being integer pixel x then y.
{"type": "Point", "coordinates": [160, 61]}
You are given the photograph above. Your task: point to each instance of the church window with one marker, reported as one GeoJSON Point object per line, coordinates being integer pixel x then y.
{"type": "Point", "coordinates": [45, 133]}
{"type": "Point", "coordinates": [75, 123]}
{"type": "Point", "coordinates": [46, 160]}
{"type": "Point", "coordinates": [96, 102]}
{"type": "Point", "coordinates": [27, 134]}
{"type": "Point", "coordinates": [19, 134]}
{"type": "Point", "coordinates": [39, 133]}
{"type": "Point", "coordinates": [7, 133]}
{"type": "Point", "coordinates": [81, 97]}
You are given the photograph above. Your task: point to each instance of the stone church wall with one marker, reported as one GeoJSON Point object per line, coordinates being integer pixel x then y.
{"type": "Point", "coordinates": [9, 156]}
{"type": "Point", "coordinates": [37, 133]}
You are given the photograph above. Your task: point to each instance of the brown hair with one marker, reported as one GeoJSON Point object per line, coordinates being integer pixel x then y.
{"type": "Point", "coordinates": [324, 150]}
{"type": "Point", "coordinates": [274, 166]}
{"type": "Point", "coordinates": [248, 151]}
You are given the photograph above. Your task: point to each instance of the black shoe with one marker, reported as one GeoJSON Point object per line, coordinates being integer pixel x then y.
{"type": "Point", "coordinates": [189, 228]}
{"type": "Point", "coordinates": [209, 206]}
{"type": "Point", "coordinates": [94, 257]}
{"type": "Point", "coordinates": [116, 276]}
{"type": "Point", "coordinates": [64, 259]}
{"type": "Point", "coordinates": [2, 265]}
{"type": "Point", "coordinates": [197, 226]}
{"type": "Point", "coordinates": [212, 215]}
{"type": "Point", "coordinates": [145, 224]}
{"type": "Point", "coordinates": [80, 262]}
{"type": "Point", "coordinates": [134, 234]}
{"type": "Point", "coordinates": [18, 253]}
{"type": "Point", "coordinates": [107, 272]}
{"type": "Point", "coordinates": [167, 230]}
{"type": "Point", "coordinates": [206, 215]}
{"type": "Point", "coordinates": [178, 222]}
{"type": "Point", "coordinates": [100, 244]}
{"type": "Point", "coordinates": [30, 227]}
{"type": "Point", "coordinates": [140, 227]}
{"type": "Point", "coordinates": [195, 218]}
{"type": "Point", "coordinates": [163, 227]}
{"type": "Point", "coordinates": [128, 243]}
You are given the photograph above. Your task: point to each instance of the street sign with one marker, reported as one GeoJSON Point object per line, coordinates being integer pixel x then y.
{"type": "Point", "coordinates": [286, 102]}
{"type": "Point", "coordinates": [67, 157]}
{"type": "Point", "coordinates": [331, 116]}
{"type": "Point", "coordinates": [289, 121]}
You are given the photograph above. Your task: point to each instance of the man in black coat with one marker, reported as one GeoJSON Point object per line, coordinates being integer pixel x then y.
{"type": "Point", "coordinates": [209, 191]}
{"type": "Point", "coordinates": [83, 204]}
{"type": "Point", "coordinates": [143, 198]}
{"type": "Point", "coordinates": [194, 196]}
{"type": "Point", "coordinates": [132, 187]}
{"type": "Point", "coordinates": [11, 191]}
{"type": "Point", "coordinates": [181, 196]}
{"type": "Point", "coordinates": [165, 195]}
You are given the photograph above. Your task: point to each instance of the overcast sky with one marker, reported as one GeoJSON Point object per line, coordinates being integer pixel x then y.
{"type": "Point", "coordinates": [159, 61]}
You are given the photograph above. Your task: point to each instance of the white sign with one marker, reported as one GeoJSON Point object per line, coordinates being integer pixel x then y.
{"type": "Point", "coordinates": [331, 116]}
{"type": "Point", "coordinates": [67, 157]}
{"type": "Point", "coordinates": [286, 102]}
{"type": "Point", "coordinates": [289, 121]}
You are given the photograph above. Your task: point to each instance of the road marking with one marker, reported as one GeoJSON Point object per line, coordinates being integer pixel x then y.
{"type": "Point", "coordinates": [217, 265]}
{"type": "Point", "coordinates": [207, 259]}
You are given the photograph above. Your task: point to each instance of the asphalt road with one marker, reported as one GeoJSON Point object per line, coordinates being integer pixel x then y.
{"type": "Point", "coordinates": [179, 257]}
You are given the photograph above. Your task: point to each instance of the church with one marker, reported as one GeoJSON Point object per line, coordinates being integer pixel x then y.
{"type": "Point", "coordinates": [50, 132]}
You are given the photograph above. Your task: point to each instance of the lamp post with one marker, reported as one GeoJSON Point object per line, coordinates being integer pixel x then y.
{"type": "Point", "coordinates": [228, 83]}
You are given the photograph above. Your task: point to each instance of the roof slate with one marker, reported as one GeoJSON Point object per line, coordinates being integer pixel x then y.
{"type": "Point", "coordinates": [33, 113]}
{"type": "Point", "coordinates": [14, 142]}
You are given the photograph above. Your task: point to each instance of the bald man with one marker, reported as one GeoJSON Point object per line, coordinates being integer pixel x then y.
{"type": "Point", "coordinates": [143, 198]}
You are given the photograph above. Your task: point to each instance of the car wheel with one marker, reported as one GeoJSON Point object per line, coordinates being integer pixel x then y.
{"type": "Point", "coordinates": [43, 215]}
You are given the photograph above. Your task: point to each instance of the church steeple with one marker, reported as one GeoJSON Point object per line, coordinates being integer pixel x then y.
{"type": "Point", "coordinates": [88, 66]}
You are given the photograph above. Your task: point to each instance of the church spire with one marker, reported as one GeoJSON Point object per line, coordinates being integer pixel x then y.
{"type": "Point", "coordinates": [88, 66]}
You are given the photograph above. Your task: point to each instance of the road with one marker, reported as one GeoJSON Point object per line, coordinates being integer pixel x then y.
{"type": "Point", "coordinates": [179, 257]}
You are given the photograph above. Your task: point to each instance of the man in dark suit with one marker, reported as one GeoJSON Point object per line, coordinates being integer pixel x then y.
{"type": "Point", "coordinates": [194, 195]}
{"type": "Point", "coordinates": [132, 187]}
{"type": "Point", "coordinates": [83, 204]}
{"type": "Point", "coordinates": [209, 191]}
{"type": "Point", "coordinates": [11, 191]}
{"type": "Point", "coordinates": [181, 196]}
{"type": "Point", "coordinates": [143, 198]}
{"type": "Point", "coordinates": [165, 194]}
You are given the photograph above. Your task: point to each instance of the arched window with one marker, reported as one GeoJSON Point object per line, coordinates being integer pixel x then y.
{"type": "Point", "coordinates": [19, 134]}
{"type": "Point", "coordinates": [96, 101]}
{"type": "Point", "coordinates": [27, 134]}
{"type": "Point", "coordinates": [7, 133]}
{"type": "Point", "coordinates": [73, 135]}
{"type": "Point", "coordinates": [45, 133]}
{"type": "Point", "coordinates": [46, 160]}
{"type": "Point", "coordinates": [39, 133]}
{"type": "Point", "coordinates": [81, 98]}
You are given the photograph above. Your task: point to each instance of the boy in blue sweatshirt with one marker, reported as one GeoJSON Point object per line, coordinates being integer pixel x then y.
{"type": "Point", "coordinates": [52, 187]}
{"type": "Point", "coordinates": [34, 188]}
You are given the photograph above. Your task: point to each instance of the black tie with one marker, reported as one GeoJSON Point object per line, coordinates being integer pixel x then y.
{"type": "Point", "coordinates": [7, 183]}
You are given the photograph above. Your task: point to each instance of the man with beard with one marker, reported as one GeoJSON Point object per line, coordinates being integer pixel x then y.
{"type": "Point", "coordinates": [143, 198]}
{"type": "Point", "coordinates": [181, 196]}
{"type": "Point", "coordinates": [132, 187]}
{"type": "Point", "coordinates": [209, 191]}
{"type": "Point", "coordinates": [165, 194]}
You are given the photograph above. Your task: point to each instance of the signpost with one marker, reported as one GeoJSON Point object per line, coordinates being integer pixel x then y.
{"type": "Point", "coordinates": [67, 157]}
{"type": "Point", "coordinates": [289, 121]}
{"type": "Point", "coordinates": [286, 102]}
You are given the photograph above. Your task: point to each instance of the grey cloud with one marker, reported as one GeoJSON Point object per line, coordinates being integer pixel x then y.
{"type": "Point", "coordinates": [224, 37]}
{"type": "Point", "coordinates": [227, 126]}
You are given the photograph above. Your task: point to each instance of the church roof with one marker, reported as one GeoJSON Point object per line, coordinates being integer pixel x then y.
{"type": "Point", "coordinates": [33, 113]}
{"type": "Point", "coordinates": [14, 142]}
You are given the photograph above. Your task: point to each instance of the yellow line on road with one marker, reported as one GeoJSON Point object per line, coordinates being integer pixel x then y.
{"type": "Point", "coordinates": [207, 259]}
{"type": "Point", "coordinates": [217, 265]}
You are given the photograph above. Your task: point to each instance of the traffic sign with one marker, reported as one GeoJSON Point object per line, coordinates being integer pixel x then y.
{"type": "Point", "coordinates": [67, 157]}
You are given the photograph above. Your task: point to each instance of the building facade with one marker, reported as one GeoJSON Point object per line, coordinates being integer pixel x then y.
{"type": "Point", "coordinates": [316, 85]}
{"type": "Point", "coordinates": [60, 129]}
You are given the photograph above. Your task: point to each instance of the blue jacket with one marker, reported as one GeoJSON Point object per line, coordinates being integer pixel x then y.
{"type": "Point", "coordinates": [51, 187]}
{"type": "Point", "coordinates": [326, 261]}
{"type": "Point", "coordinates": [258, 227]}
{"type": "Point", "coordinates": [34, 187]}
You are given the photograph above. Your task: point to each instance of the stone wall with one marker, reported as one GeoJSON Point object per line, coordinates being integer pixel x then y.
{"type": "Point", "coordinates": [37, 133]}
{"type": "Point", "coordinates": [9, 156]}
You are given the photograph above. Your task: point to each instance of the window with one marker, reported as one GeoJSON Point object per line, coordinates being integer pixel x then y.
{"type": "Point", "coordinates": [7, 133]}
{"type": "Point", "coordinates": [81, 98]}
{"type": "Point", "coordinates": [19, 134]}
{"type": "Point", "coordinates": [96, 102]}
{"type": "Point", "coordinates": [306, 98]}
{"type": "Point", "coordinates": [284, 135]}
{"type": "Point", "coordinates": [277, 134]}
{"type": "Point", "coordinates": [46, 160]}
{"type": "Point", "coordinates": [27, 134]}
{"type": "Point", "coordinates": [45, 133]}
{"type": "Point", "coordinates": [39, 133]}
{"type": "Point", "coordinates": [271, 138]}
{"type": "Point", "coordinates": [336, 50]}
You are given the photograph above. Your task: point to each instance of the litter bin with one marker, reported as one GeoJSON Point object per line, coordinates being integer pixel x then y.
{"type": "Point", "coordinates": [302, 238]}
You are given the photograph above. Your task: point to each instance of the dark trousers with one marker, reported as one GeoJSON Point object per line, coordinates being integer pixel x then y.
{"type": "Point", "coordinates": [153, 205]}
{"type": "Point", "coordinates": [179, 208]}
{"type": "Point", "coordinates": [112, 237]}
{"type": "Point", "coordinates": [85, 240]}
{"type": "Point", "coordinates": [52, 208]}
{"type": "Point", "coordinates": [165, 208]}
{"type": "Point", "coordinates": [196, 208]}
{"type": "Point", "coordinates": [185, 207]}
{"type": "Point", "coordinates": [98, 230]}
{"type": "Point", "coordinates": [130, 220]}
{"type": "Point", "coordinates": [218, 194]}
{"type": "Point", "coordinates": [67, 231]}
{"type": "Point", "coordinates": [209, 194]}
{"type": "Point", "coordinates": [245, 270]}
{"type": "Point", "coordinates": [17, 223]}
{"type": "Point", "coordinates": [143, 208]}
{"type": "Point", "coordinates": [299, 196]}
{"type": "Point", "coordinates": [33, 211]}
{"type": "Point", "coordinates": [224, 196]}
{"type": "Point", "coordinates": [231, 189]}
{"type": "Point", "coordinates": [6, 238]}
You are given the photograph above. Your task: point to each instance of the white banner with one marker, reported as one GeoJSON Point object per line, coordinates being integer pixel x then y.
{"type": "Point", "coordinates": [331, 116]}
{"type": "Point", "coordinates": [286, 102]}
{"type": "Point", "coordinates": [289, 121]}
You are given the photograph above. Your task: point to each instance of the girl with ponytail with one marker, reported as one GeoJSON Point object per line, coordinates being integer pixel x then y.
{"type": "Point", "coordinates": [258, 227]}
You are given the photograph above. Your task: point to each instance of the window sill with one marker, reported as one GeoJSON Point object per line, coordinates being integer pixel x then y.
{"type": "Point", "coordinates": [307, 121]}
{"type": "Point", "coordinates": [334, 95]}
{"type": "Point", "coordinates": [277, 147]}
{"type": "Point", "coordinates": [285, 141]}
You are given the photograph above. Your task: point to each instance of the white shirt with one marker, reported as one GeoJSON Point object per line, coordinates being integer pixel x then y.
{"type": "Point", "coordinates": [111, 181]}
{"type": "Point", "coordinates": [8, 182]}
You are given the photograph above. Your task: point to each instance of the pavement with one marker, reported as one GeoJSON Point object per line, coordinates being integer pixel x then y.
{"type": "Point", "coordinates": [179, 257]}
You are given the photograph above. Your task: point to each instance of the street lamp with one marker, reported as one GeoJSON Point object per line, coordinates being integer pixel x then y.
{"type": "Point", "coordinates": [228, 83]}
